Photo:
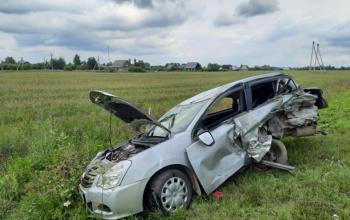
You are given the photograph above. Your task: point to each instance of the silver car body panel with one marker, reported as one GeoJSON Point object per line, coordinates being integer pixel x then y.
{"type": "Point", "coordinates": [215, 164]}
{"type": "Point", "coordinates": [122, 109]}
{"type": "Point", "coordinates": [247, 135]}
{"type": "Point", "coordinates": [115, 198]}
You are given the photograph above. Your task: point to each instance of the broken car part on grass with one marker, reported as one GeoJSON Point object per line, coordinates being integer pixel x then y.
{"type": "Point", "coordinates": [197, 145]}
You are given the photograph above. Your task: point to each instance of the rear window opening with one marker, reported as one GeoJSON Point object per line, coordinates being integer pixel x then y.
{"type": "Point", "coordinates": [262, 92]}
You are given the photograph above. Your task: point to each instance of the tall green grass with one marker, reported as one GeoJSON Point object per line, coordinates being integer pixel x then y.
{"type": "Point", "coordinates": [49, 131]}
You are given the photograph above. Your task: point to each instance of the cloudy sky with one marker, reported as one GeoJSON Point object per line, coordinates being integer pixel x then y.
{"type": "Point", "coordinates": [253, 32]}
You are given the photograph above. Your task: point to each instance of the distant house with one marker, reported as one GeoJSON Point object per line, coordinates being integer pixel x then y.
{"type": "Point", "coordinates": [147, 66]}
{"type": "Point", "coordinates": [244, 67]}
{"type": "Point", "coordinates": [157, 68]}
{"type": "Point", "coordinates": [121, 65]}
{"type": "Point", "coordinates": [226, 67]}
{"type": "Point", "coordinates": [277, 68]}
{"type": "Point", "coordinates": [235, 68]}
{"type": "Point", "coordinates": [193, 66]}
{"type": "Point", "coordinates": [183, 66]}
{"type": "Point", "coordinates": [172, 66]}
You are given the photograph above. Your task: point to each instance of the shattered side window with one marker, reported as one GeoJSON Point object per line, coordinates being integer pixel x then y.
{"type": "Point", "coordinates": [285, 86]}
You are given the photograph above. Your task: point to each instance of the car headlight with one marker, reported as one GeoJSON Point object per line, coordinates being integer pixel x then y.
{"type": "Point", "coordinates": [114, 175]}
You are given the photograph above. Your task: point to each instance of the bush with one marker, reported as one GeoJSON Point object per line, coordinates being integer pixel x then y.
{"type": "Point", "coordinates": [213, 67]}
{"type": "Point", "coordinates": [136, 69]}
{"type": "Point", "coordinates": [68, 67]}
{"type": "Point", "coordinates": [8, 66]}
{"type": "Point", "coordinates": [83, 66]}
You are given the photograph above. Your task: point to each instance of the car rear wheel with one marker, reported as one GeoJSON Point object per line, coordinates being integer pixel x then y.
{"type": "Point", "coordinates": [277, 153]}
{"type": "Point", "coordinates": [169, 191]}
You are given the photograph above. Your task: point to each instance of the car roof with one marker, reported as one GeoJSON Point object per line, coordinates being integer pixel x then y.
{"type": "Point", "coordinates": [212, 93]}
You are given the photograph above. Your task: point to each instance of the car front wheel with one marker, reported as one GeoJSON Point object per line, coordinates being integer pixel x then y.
{"type": "Point", "coordinates": [169, 191]}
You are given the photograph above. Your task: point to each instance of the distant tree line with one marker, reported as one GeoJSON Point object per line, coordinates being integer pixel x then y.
{"type": "Point", "coordinates": [329, 67]}
{"type": "Point", "coordinates": [91, 63]}
{"type": "Point", "coordinates": [55, 63]}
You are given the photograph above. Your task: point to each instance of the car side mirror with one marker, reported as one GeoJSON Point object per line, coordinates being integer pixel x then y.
{"type": "Point", "coordinates": [205, 137]}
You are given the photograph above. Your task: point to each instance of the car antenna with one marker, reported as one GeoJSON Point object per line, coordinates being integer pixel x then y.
{"type": "Point", "coordinates": [110, 130]}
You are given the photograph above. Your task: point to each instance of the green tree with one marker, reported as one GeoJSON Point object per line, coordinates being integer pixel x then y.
{"type": "Point", "coordinates": [76, 60]}
{"type": "Point", "coordinates": [91, 63]}
{"type": "Point", "coordinates": [58, 63]}
{"type": "Point", "coordinates": [10, 60]}
{"type": "Point", "coordinates": [68, 67]}
{"type": "Point", "coordinates": [213, 67]}
{"type": "Point", "coordinates": [136, 69]}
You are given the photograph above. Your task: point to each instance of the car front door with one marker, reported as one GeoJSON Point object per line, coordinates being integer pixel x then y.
{"type": "Point", "coordinates": [216, 163]}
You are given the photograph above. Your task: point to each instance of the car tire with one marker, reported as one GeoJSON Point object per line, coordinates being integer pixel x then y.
{"type": "Point", "coordinates": [277, 152]}
{"type": "Point", "coordinates": [169, 191]}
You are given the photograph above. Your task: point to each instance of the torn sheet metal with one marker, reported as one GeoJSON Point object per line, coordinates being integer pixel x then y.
{"type": "Point", "coordinates": [297, 115]}
{"type": "Point", "coordinates": [258, 143]}
{"type": "Point", "coordinates": [300, 110]}
{"type": "Point", "coordinates": [282, 115]}
{"type": "Point", "coordinates": [255, 139]}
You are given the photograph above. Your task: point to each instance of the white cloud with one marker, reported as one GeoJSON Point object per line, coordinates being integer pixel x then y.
{"type": "Point", "coordinates": [246, 31]}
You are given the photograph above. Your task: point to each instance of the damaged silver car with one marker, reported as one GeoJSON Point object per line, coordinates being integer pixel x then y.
{"type": "Point", "coordinates": [197, 145]}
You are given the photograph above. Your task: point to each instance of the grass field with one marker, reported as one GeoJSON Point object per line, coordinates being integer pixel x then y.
{"type": "Point", "coordinates": [49, 131]}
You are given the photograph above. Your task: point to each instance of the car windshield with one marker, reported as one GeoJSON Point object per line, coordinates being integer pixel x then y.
{"type": "Point", "coordinates": [177, 119]}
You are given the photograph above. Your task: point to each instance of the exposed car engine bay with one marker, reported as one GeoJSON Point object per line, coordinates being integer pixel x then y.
{"type": "Point", "coordinates": [131, 147]}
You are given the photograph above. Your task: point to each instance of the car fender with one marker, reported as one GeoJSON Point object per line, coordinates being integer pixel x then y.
{"type": "Point", "coordinates": [146, 163]}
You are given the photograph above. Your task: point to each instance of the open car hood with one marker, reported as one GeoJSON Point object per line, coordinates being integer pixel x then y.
{"type": "Point", "coordinates": [118, 107]}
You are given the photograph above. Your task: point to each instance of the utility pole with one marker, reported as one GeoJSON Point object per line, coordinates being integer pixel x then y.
{"type": "Point", "coordinates": [97, 64]}
{"type": "Point", "coordinates": [20, 64]}
{"type": "Point", "coordinates": [109, 58]}
{"type": "Point", "coordinates": [109, 63]}
{"type": "Point", "coordinates": [312, 52]}
{"type": "Point", "coordinates": [44, 63]}
{"type": "Point", "coordinates": [51, 61]}
{"type": "Point", "coordinates": [316, 60]}
{"type": "Point", "coordinates": [319, 54]}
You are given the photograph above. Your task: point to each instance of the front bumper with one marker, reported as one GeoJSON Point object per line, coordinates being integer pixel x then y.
{"type": "Point", "coordinates": [114, 203]}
